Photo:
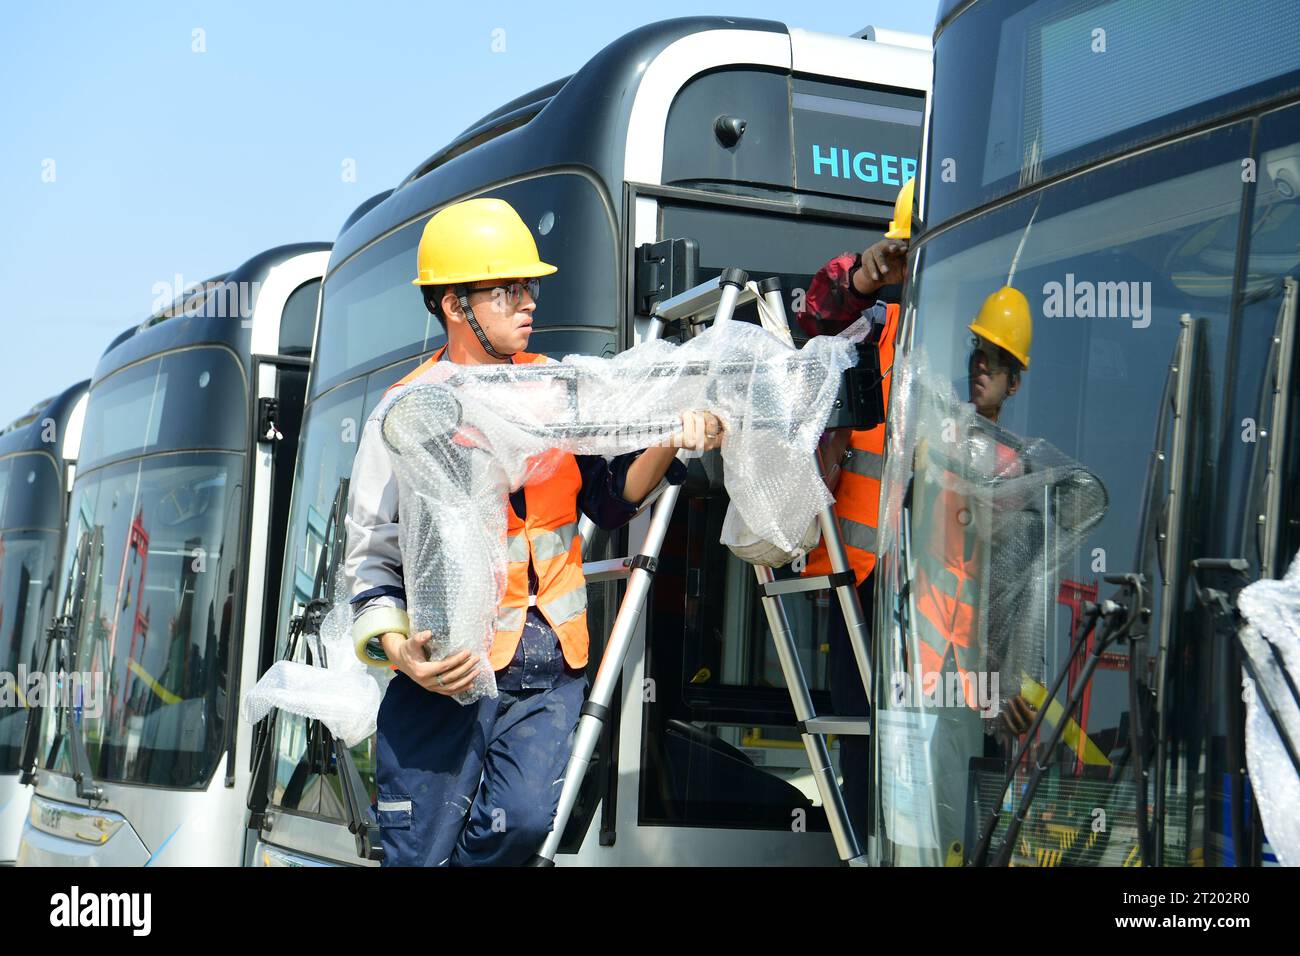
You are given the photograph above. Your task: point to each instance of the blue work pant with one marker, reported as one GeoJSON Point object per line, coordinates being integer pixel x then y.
{"type": "Point", "coordinates": [472, 785]}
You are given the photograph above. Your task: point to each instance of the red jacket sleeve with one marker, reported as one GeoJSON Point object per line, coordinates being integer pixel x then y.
{"type": "Point", "coordinates": [831, 303]}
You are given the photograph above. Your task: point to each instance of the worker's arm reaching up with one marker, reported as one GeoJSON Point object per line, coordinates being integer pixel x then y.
{"type": "Point", "coordinates": [839, 293]}
{"type": "Point", "coordinates": [846, 286]}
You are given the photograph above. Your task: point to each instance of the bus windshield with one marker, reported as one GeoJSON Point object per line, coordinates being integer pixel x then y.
{"type": "Point", "coordinates": [158, 611]}
{"type": "Point", "coordinates": [30, 514]}
{"type": "Point", "coordinates": [1044, 86]}
{"type": "Point", "coordinates": [1063, 349]}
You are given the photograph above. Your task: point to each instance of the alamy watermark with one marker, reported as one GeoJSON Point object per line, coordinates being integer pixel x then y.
{"type": "Point", "coordinates": [76, 908]}
{"type": "Point", "coordinates": [1082, 299]}
{"type": "Point", "coordinates": [978, 690]}
{"type": "Point", "coordinates": [75, 690]}
{"type": "Point", "coordinates": [217, 300]}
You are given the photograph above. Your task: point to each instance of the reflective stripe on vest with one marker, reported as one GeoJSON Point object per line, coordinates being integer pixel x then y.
{"type": "Point", "coordinates": [510, 618]}
{"type": "Point", "coordinates": [566, 606]}
{"type": "Point", "coordinates": [864, 462]}
{"type": "Point", "coordinates": [516, 548]}
{"type": "Point", "coordinates": [552, 544]}
{"type": "Point", "coordinates": [857, 535]}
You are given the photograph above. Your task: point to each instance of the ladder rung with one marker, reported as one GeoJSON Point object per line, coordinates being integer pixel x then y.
{"type": "Point", "coordinates": [843, 726]}
{"type": "Point", "coordinates": [822, 582]}
{"type": "Point", "coordinates": [610, 570]}
{"type": "Point", "coordinates": [699, 300]}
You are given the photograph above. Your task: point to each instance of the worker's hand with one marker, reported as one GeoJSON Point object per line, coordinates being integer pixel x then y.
{"type": "Point", "coordinates": [451, 675]}
{"type": "Point", "coordinates": [701, 431]}
{"type": "Point", "coordinates": [1016, 716]}
{"type": "Point", "coordinates": [883, 263]}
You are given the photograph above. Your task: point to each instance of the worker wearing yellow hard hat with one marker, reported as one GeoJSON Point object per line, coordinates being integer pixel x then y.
{"type": "Point", "coordinates": [842, 290]}
{"type": "Point", "coordinates": [1003, 332]}
{"type": "Point", "coordinates": [448, 775]}
{"type": "Point", "coordinates": [465, 251]}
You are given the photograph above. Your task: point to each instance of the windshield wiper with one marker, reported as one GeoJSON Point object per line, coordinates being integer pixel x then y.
{"type": "Point", "coordinates": [324, 753]}
{"type": "Point", "coordinates": [59, 646]}
{"type": "Point", "coordinates": [1118, 620]}
{"type": "Point", "coordinates": [1087, 620]}
{"type": "Point", "coordinates": [1160, 526]}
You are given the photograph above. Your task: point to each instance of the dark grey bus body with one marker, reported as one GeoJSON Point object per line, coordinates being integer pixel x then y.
{"type": "Point", "coordinates": [182, 490]}
{"type": "Point", "coordinates": [38, 452]}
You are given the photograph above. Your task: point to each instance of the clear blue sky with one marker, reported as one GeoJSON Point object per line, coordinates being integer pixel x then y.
{"type": "Point", "coordinates": [169, 161]}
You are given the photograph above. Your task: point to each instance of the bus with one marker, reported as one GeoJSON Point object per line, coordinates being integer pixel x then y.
{"type": "Point", "coordinates": [682, 148]}
{"type": "Point", "coordinates": [182, 490]}
{"type": "Point", "coordinates": [1097, 350]}
{"type": "Point", "coordinates": [38, 454]}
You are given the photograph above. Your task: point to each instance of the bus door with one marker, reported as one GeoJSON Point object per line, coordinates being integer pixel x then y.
{"type": "Point", "coordinates": [720, 746]}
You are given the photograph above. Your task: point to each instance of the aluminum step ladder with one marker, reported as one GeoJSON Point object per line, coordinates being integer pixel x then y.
{"type": "Point", "coordinates": [716, 301]}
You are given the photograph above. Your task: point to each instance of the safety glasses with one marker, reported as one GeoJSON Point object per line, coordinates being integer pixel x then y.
{"type": "Point", "coordinates": [996, 358]}
{"type": "Point", "coordinates": [511, 294]}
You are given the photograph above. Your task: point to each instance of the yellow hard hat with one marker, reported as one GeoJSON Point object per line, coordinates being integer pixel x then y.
{"type": "Point", "coordinates": [1004, 320]}
{"type": "Point", "coordinates": [474, 240]}
{"type": "Point", "coordinates": [900, 227]}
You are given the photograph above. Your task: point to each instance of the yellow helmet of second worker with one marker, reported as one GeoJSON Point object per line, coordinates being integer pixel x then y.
{"type": "Point", "coordinates": [900, 227]}
{"type": "Point", "coordinates": [1004, 320]}
{"type": "Point", "coordinates": [474, 240]}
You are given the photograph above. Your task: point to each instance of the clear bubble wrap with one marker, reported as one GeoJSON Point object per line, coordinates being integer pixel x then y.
{"type": "Point", "coordinates": [462, 437]}
{"type": "Point", "coordinates": [1028, 506]}
{"type": "Point", "coordinates": [1270, 635]}
{"type": "Point", "coordinates": [336, 689]}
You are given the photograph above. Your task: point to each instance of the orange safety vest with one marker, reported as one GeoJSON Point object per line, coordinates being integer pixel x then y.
{"type": "Point", "coordinates": [548, 539]}
{"type": "Point", "coordinates": [948, 588]}
{"type": "Point", "coordinates": [857, 497]}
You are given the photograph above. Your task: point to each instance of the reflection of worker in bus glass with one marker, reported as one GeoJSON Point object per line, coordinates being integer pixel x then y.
{"type": "Point", "coordinates": [841, 292]}
{"type": "Point", "coordinates": [993, 514]}
{"type": "Point", "coordinates": [957, 459]}
{"type": "Point", "coordinates": [479, 784]}
{"type": "Point", "coordinates": [1000, 338]}
{"type": "Point", "coordinates": [994, 377]}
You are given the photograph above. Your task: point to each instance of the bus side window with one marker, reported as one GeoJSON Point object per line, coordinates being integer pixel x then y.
{"type": "Point", "coordinates": [298, 320]}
